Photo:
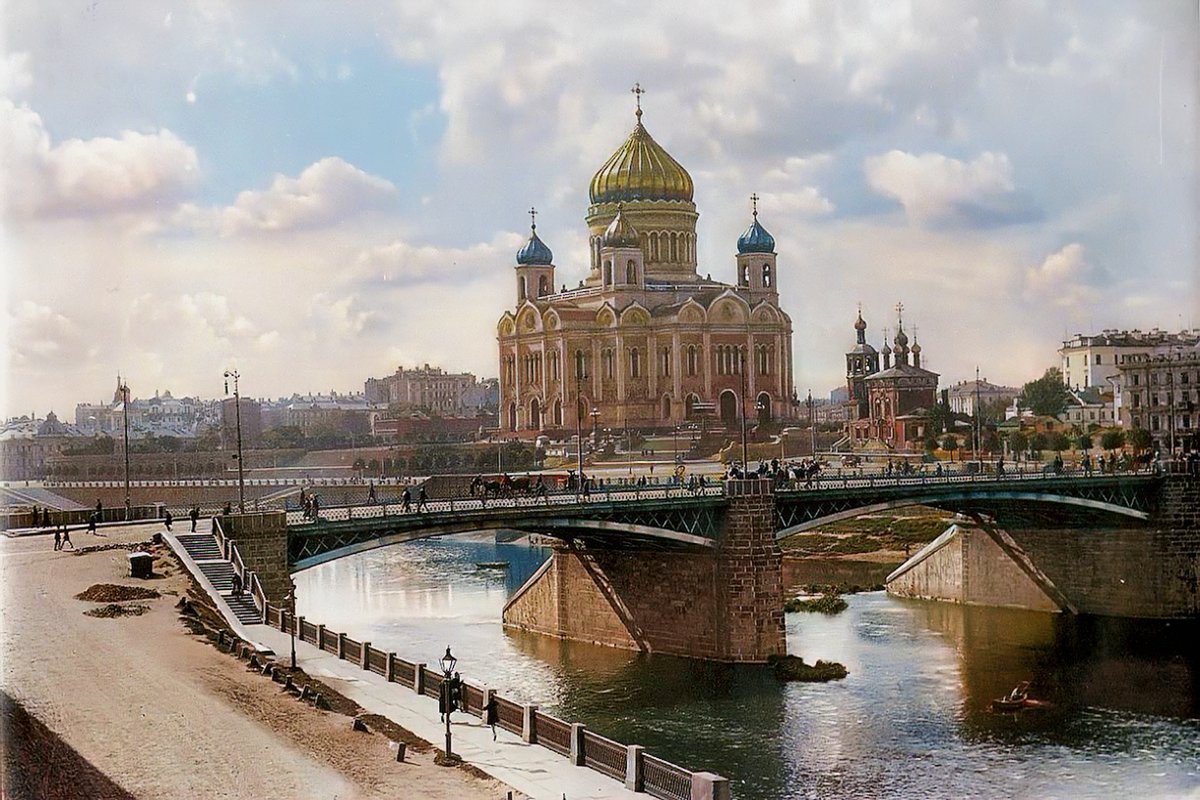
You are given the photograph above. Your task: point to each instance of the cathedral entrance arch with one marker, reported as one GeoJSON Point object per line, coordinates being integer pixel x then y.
{"type": "Point", "coordinates": [558, 412]}
{"type": "Point", "coordinates": [535, 414]}
{"type": "Point", "coordinates": [666, 407]}
{"type": "Point", "coordinates": [729, 409]}
{"type": "Point", "coordinates": [763, 407]}
{"type": "Point", "coordinates": [689, 406]}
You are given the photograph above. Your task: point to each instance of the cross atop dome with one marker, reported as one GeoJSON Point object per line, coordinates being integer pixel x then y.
{"type": "Point", "coordinates": [532, 218]}
{"type": "Point", "coordinates": [754, 204]}
{"type": "Point", "coordinates": [900, 313]}
{"type": "Point", "coordinates": [638, 91]}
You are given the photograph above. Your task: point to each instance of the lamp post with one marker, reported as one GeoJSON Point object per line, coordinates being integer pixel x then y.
{"type": "Point", "coordinates": [675, 444]}
{"type": "Point", "coordinates": [812, 429]}
{"type": "Point", "coordinates": [579, 426]}
{"type": "Point", "coordinates": [124, 387]}
{"type": "Point", "coordinates": [595, 415]}
{"type": "Point", "coordinates": [291, 596]}
{"type": "Point", "coordinates": [447, 663]}
{"type": "Point", "coordinates": [237, 406]}
{"type": "Point", "coordinates": [742, 372]}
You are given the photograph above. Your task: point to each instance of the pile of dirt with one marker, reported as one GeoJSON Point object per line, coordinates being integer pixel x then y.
{"type": "Point", "coordinates": [114, 610]}
{"type": "Point", "coordinates": [115, 593]}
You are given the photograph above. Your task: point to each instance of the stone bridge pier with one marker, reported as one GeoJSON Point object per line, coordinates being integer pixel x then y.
{"type": "Point", "coordinates": [262, 541]}
{"type": "Point", "coordinates": [723, 604]}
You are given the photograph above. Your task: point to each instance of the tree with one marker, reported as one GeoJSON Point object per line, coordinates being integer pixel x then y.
{"type": "Point", "coordinates": [1037, 443]}
{"type": "Point", "coordinates": [1058, 442]}
{"type": "Point", "coordinates": [1019, 443]}
{"type": "Point", "coordinates": [1140, 439]}
{"type": "Point", "coordinates": [1046, 396]}
{"type": "Point", "coordinates": [950, 444]}
{"type": "Point", "coordinates": [1085, 442]}
{"type": "Point", "coordinates": [1112, 440]}
{"type": "Point", "coordinates": [930, 442]}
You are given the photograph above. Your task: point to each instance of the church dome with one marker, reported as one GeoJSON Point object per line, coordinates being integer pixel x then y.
{"type": "Point", "coordinates": [916, 348]}
{"type": "Point", "coordinates": [901, 340]}
{"type": "Point", "coordinates": [756, 239]}
{"type": "Point", "coordinates": [860, 324]}
{"type": "Point", "coordinates": [620, 233]}
{"type": "Point", "coordinates": [535, 252]}
{"type": "Point", "coordinates": [640, 169]}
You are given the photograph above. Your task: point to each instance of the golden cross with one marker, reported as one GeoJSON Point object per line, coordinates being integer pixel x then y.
{"type": "Point", "coordinates": [532, 218]}
{"type": "Point", "coordinates": [754, 202]}
{"type": "Point", "coordinates": [638, 91]}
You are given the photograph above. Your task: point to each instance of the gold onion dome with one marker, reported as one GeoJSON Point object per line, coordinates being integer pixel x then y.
{"type": "Point", "coordinates": [640, 170]}
{"type": "Point", "coordinates": [620, 233]}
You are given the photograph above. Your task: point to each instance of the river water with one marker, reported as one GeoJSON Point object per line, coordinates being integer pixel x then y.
{"type": "Point", "coordinates": [912, 720]}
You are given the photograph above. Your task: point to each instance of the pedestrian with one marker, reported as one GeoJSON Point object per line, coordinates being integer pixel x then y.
{"type": "Point", "coordinates": [36, 516]}
{"type": "Point", "coordinates": [406, 500]}
{"type": "Point", "coordinates": [371, 494]}
{"type": "Point", "coordinates": [228, 509]}
{"type": "Point", "coordinates": [167, 518]}
{"type": "Point", "coordinates": [57, 540]}
{"type": "Point", "coordinates": [194, 514]}
{"type": "Point", "coordinates": [236, 580]}
{"type": "Point", "coordinates": [66, 540]}
{"type": "Point", "coordinates": [422, 499]}
{"type": "Point", "coordinates": [491, 715]}
{"type": "Point", "coordinates": [316, 507]}
{"type": "Point", "coordinates": [99, 508]}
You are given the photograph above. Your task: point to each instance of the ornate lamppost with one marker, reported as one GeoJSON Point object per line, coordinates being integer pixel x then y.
{"type": "Point", "coordinates": [812, 429]}
{"type": "Point", "coordinates": [447, 663]}
{"type": "Point", "coordinates": [124, 388]}
{"type": "Point", "coordinates": [742, 371]}
{"type": "Point", "coordinates": [237, 405]}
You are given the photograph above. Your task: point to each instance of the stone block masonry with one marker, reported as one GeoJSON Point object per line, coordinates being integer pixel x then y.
{"type": "Point", "coordinates": [262, 540]}
{"type": "Point", "coordinates": [720, 605]}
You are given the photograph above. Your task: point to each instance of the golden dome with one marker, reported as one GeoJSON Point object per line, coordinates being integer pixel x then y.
{"type": "Point", "coordinates": [640, 170]}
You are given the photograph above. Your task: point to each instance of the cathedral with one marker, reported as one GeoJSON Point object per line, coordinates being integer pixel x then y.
{"type": "Point", "coordinates": [644, 342]}
{"type": "Point", "coordinates": [889, 408]}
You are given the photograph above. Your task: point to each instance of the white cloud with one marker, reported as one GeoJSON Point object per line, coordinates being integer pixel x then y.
{"type": "Point", "coordinates": [15, 75]}
{"type": "Point", "coordinates": [41, 337]}
{"type": "Point", "coordinates": [325, 193]}
{"type": "Point", "coordinates": [1061, 280]}
{"type": "Point", "coordinates": [400, 263]}
{"type": "Point", "coordinates": [88, 176]}
{"type": "Point", "coordinates": [932, 186]}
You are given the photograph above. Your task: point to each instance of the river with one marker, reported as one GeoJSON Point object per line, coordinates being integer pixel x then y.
{"type": "Point", "coordinates": [912, 720]}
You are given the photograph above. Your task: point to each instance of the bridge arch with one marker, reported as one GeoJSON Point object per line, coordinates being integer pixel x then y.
{"type": "Point", "coordinates": [566, 527]}
{"type": "Point", "coordinates": [975, 498]}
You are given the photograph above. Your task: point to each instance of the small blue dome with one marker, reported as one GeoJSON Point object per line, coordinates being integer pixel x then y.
{"type": "Point", "coordinates": [535, 252]}
{"type": "Point", "coordinates": [756, 239]}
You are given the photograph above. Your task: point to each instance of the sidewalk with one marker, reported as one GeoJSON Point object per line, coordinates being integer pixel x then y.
{"type": "Point", "coordinates": [532, 769]}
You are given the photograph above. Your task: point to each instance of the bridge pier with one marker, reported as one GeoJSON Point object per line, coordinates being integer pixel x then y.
{"type": "Point", "coordinates": [1148, 570]}
{"type": "Point", "coordinates": [724, 604]}
{"type": "Point", "coordinates": [262, 540]}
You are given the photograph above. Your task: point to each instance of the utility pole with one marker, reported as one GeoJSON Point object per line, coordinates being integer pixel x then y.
{"type": "Point", "coordinates": [237, 405]}
{"type": "Point", "coordinates": [742, 370]}
{"type": "Point", "coordinates": [812, 428]}
{"type": "Point", "coordinates": [124, 387]}
{"type": "Point", "coordinates": [579, 426]}
{"type": "Point", "coordinates": [978, 419]}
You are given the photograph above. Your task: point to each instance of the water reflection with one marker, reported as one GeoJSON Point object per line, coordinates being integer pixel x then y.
{"type": "Point", "coordinates": [913, 718]}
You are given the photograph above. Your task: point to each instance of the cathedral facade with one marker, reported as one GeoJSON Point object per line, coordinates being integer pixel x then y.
{"type": "Point", "coordinates": [644, 342]}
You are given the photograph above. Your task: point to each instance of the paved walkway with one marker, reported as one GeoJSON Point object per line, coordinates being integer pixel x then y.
{"type": "Point", "coordinates": [539, 773]}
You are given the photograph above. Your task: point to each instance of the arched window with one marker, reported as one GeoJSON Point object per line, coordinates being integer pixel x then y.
{"type": "Point", "coordinates": [558, 412]}
{"type": "Point", "coordinates": [521, 288]}
{"type": "Point", "coordinates": [631, 272]}
{"type": "Point", "coordinates": [766, 276]}
{"type": "Point", "coordinates": [580, 365]}
{"type": "Point", "coordinates": [666, 362]}
{"type": "Point", "coordinates": [608, 364]}
{"type": "Point", "coordinates": [666, 407]}
{"type": "Point", "coordinates": [608, 273]}
{"type": "Point", "coordinates": [635, 363]}
{"type": "Point", "coordinates": [743, 275]}
{"type": "Point", "coordinates": [691, 359]}
{"type": "Point", "coordinates": [543, 286]}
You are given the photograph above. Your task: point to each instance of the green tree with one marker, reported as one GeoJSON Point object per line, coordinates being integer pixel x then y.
{"type": "Point", "coordinates": [1085, 441]}
{"type": "Point", "coordinates": [1140, 439]}
{"type": "Point", "coordinates": [1047, 395]}
{"type": "Point", "coordinates": [1037, 443]}
{"type": "Point", "coordinates": [1058, 442]}
{"type": "Point", "coordinates": [1112, 440]}
{"type": "Point", "coordinates": [1018, 442]}
{"type": "Point", "coordinates": [950, 444]}
{"type": "Point", "coordinates": [285, 437]}
{"type": "Point", "coordinates": [930, 442]}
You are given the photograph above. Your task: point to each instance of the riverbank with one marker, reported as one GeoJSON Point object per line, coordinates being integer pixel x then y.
{"type": "Point", "coordinates": [162, 714]}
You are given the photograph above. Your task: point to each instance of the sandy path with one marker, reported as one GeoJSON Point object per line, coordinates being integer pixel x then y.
{"type": "Point", "coordinates": [168, 716]}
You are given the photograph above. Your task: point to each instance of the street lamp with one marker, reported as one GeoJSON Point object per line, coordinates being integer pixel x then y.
{"type": "Point", "coordinates": [291, 597]}
{"type": "Point", "coordinates": [812, 429]}
{"type": "Point", "coordinates": [447, 663]}
{"type": "Point", "coordinates": [579, 426]}
{"type": "Point", "coordinates": [595, 415]}
{"type": "Point", "coordinates": [742, 372]}
{"type": "Point", "coordinates": [237, 405]}
{"type": "Point", "coordinates": [124, 387]}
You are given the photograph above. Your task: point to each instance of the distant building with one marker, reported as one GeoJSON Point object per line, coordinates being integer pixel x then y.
{"type": "Point", "coordinates": [963, 395]}
{"type": "Point", "coordinates": [26, 443]}
{"type": "Point", "coordinates": [251, 421]}
{"type": "Point", "coordinates": [1162, 395]}
{"type": "Point", "coordinates": [338, 413]}
{"type": "Point", "coordinates": [427, 388]}
{"type": "Point", "coordinates": [160, 415]}
{"type": "Point", "coordinates": [1092, 361]}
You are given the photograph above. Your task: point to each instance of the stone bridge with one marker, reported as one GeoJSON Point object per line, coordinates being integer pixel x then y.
{"type": "Point", "coordinates": [700, 574]}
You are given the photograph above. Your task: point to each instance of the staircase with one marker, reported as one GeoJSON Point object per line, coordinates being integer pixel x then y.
{"type": "Point", "coordinates": [203, 549]}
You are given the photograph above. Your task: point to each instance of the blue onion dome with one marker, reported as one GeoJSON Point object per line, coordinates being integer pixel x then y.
{"type": "Point", "coordinates": [756, 239]}
{"type": "Point", "coordinates": [620, 233]}
{"type": "Point", "coordinates": [535, 252]}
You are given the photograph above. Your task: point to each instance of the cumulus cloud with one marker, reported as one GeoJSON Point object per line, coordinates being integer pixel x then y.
{"type": "Point", "coordinates": [325, 193]}
{"type": "Point", "coordinates": [400, 263]}
{"type": "Point", "coordinates": [1062, 280]}
{"type": "Point", "coordinates": [934, 187]}
{"type": "Point", "coordinates": [88, 176]}
{"type": "Point", "coordinates": [41, 337]}
{"type": "Point", "coordinates": [15, 74]}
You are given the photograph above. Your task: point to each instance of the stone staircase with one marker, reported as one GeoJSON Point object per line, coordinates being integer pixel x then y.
{"type": "Point", "coordinates": [203, 549]}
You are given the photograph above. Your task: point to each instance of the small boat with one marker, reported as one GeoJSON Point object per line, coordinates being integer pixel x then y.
{"type": "Point", "coordinates": [491, 565]}
{"type": "Point", "coordinates": [1014, 700]}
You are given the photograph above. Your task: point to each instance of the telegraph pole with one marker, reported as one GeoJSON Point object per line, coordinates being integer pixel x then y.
{"type": "Point", "coordinates": [124, 387]}
{"type": "Point", "coordinates": [237, 404]}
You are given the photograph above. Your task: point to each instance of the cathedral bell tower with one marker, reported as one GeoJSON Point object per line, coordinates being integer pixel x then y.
{"type": "Point", "coordinates": [622, 263]}
{"type": "Point", "coordinates": [535, 266]}
{"type": "Point", "coordinates": [756, 260]}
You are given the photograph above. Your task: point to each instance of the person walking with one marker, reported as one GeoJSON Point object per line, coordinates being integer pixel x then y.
{"type": "Point", "coordinates": [194, 514]}
{"type": "Point", "coordinates": [99, 508]}
{"type": "Point", "coordinates": [406, 500]}
{"type": "Point", "coordinates": [422, 500]}
{"type": "Point", "coordinates": [491, 715]}
{"type": "Point", "coordinates": [371, 494]}
{"type": "Point", "coordinates": [167, 518]}
{"type": "Point", "coordinates": [57, 540]}
{"type": "Point", "coordinates": [236, 580]}
{"type": "Point", "coordinates": [66, 540]}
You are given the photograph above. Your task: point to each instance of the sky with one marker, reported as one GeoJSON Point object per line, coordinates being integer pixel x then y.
{"type": "Point", "coordinates": [316, 193]}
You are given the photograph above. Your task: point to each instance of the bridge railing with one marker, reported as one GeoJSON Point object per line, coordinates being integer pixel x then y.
{"type": "Point", "coordinates": [873, 480]}
{"type": "Point", "coordinates": [644, 772]}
